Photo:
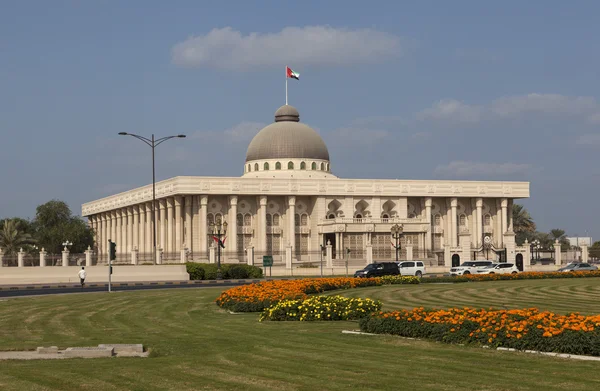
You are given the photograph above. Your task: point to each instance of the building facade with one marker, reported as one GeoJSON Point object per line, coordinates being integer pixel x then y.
{"type": "Point", "coordinates": [288, 199]}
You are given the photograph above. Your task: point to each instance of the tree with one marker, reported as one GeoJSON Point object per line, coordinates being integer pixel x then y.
{"type": "Point", "coordinates": [54, 225]}
{"type": "Point", "coordinates": [13, 237]}
{"type": "Point", "coordinates": [594, 250]}
{"type": "Point", "coordinates": [559, 234]}
{"type": "Point", "coordinates": [523, 224]}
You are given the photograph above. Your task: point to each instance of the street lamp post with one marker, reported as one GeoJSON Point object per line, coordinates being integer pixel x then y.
{"type": "Point", "coordinates": [397, 234]}
{"type": "Point", "coordinates": [535, 246]}
{"type": "Point", "coordinates": [153, 143]}
{"type": "Point", "coordinates": [219, 229]}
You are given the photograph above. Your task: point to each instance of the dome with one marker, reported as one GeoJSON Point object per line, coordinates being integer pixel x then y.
{"type": "Point", "coordinates": [287, 138]}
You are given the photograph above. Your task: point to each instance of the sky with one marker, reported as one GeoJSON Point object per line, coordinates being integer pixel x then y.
{"type": "Point", "coordinates": [466, 90]}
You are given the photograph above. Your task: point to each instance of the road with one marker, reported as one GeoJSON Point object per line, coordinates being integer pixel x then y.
{"type": "Point", "coordinates": [52, 289]}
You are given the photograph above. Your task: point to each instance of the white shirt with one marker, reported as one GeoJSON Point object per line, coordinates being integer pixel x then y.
{"type": "Point", "coordinates": [82, 274]}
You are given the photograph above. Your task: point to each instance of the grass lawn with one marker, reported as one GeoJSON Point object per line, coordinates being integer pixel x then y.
{"type": "Point", "coordinates": [195, 345]}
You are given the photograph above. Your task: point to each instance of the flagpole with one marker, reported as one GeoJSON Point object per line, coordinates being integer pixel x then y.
{"type": "Point", "coordinates": [286, 79]}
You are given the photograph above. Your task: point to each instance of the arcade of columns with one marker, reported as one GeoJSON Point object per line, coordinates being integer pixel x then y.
{"type": "Point", "coordinates": [181, 223]}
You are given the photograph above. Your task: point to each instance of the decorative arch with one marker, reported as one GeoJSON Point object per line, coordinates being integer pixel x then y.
{"type": "Point", "coordinates": [239, 220]}
{"type": "Point", "coordinates": [462, 220]}
{"type": "Point", "coordinates": [255, 166]}
{"type": "Point", "coordinates": [249, 168]}
{"type": "Point", "coordinates": [303, 166]}
{"type": "Point", "coordinates": [247, 220]}
{"type": "Point", "coordinates": [327, 167]}
{"type": "Point", "coordinates": [388, 209]}
{"type": "Point", "coordinates": [437, 220]}
{"type": "Point", "coordinates": [266, 166]}
{"type": "Point", "coordinates": [290, 165]}
{"type": "Point", "coordinates": [333, 208]}
{"type": "Point", "coordinates": [278, 166]}
{"type": "Point", "coordinates": [322, 166]}
{"type": "Point", "coordinates": [361, 209]}
{"type": "Point", "coordinates": [313, 166]}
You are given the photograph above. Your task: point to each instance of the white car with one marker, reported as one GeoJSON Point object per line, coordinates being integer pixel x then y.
{"type": "Point", "coordinates": [499, 268]}
{"type": "Point", "coordinates": [411, 268]}
{"type": "Point", "coordinates": [469, 267]}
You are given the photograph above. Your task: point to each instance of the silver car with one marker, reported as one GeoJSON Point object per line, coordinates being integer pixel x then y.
{"type": "Point", "coordinates": [578, 267]}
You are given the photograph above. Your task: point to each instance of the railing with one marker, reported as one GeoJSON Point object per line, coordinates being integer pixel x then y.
{"type": "Point", "coordinates": [371, 220]}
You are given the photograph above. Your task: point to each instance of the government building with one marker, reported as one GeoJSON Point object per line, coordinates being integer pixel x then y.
{"type": "Point", "coordinates": [289, 204]}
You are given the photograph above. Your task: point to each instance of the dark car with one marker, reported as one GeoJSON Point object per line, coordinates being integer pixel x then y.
{"type": "Point", "coordinates": [378, 269]}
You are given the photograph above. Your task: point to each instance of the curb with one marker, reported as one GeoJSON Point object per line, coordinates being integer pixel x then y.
{"type": "Point", "coordinates": [124, 284]}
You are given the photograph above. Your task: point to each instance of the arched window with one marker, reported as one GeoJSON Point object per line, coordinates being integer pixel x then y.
{"type": "Point", "coordinates": [327, 167]}
{"type": "Point", "coordinates": [385, 216]}
{"type": "Point", "coordinates": [218, 218]}
{"type": "Point", "coordinates": [303, 166]}
{"type": "Point", "coordinates": [276, 220]}
{"type": "Point", "coordinates": [249, 168]}
{"type": "Point", "coordinates": [462, 220]}
{"type": "Point", "coordinates": [313, 166]}
{"type": "Point", "coordinates": [266, 166]}
{"type": "Point", "coordinates": [247, 220]}
{"type": "Point", "coordinates": [255, 166]}
{"type": "Point", "coordinates": [331, 215]}
{"type": "Point", "coordinates": [297, 220]}
{"type": "Point", "coordinates": [290, 165]}
{"type": "Point", "coordinates": [437, 220]}
{"type": "Point", "coordinates": [269, 220]}
{"type": "Point", "coordinates": [487, 220]}
{"type": "Point", "coordinates": [240, 219]}
{"type": "Point", "coordinates": [304, 220]}
{"type": "Point", "coordinates": [358, 216]}
{"type": "Point", "coordinates": [322, 166]}
{"type": "Point", "coordinates": [278, 166]}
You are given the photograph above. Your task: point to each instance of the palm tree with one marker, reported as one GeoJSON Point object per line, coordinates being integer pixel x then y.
{"type": "Point", "coordinates": [523, 224]}
{"type": "Point", "coordinates": [12, 239]}
{"type": "Point", "coordinates": [559, 234]}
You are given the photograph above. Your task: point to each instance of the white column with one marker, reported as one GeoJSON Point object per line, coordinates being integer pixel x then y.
{"type": "Point", "coordinates": [162, 222]}
{"type": "Point", "coordinates": [178, 225]}
{"type": "Point", "coordinates": [120, 248]}
{"type": "Point", "coordinates": [504, 205]}
{"type": "Point", "coordinates": [203, 229]}
{"type": "Point", "coordinates": [129, 229]}
{"type": "Point", "coordinates": [42, 258]}
{"type": "Point", "coordinates": [170, 247]}
{"type": "Point", "coordinates": [142, 228]}
{"type": "Point", "coordinates": [149, 228]}
{"type": "Point", "coordinates": [291, 222]}
{"type": "Point", "coordinates": [510, 216]}
{"type": "Point", "coordinates": [499, 229]}
{"type": "Point", "coordinates": [479, 222]}
{"type": "Point", "coordinates": [428, 240]}
{"type": "Point", "coordinates": [188, 235]}
{"type": "Point", "coordinates": [232, 228]}
{"type": "Point", "coordinates": [454, 205]}
{"type": "Point", "coordinates": [557, 253]}
{"type": "Point", "coordinates": [262, 241]}
{"type": "Point", "coordinates": [113, 227]}
{"type": "Point", "coordinates": [135, 244]}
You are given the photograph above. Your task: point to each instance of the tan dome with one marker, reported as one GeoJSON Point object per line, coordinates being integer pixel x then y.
{"type": "Point", "coordinates": [287, 138]}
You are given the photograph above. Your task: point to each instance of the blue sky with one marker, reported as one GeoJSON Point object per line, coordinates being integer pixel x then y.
{"type": "Point", "coordinates": [429, 90]}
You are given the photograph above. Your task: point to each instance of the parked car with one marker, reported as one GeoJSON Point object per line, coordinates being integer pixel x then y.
{"type": "Point", "coordinates": [378, 269]}
{"type": "Point", "coordinates": [469, 267]}
{"type": "Point", "coordinates": [411, 268]}
{"type": "Point", "coordinates": [499, 268]}
{"type": "Point", "coordinates": [578, 267]}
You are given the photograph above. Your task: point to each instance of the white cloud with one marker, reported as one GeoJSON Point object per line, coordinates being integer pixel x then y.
{"type": "Point", "coordinates": [240, 133]}
{"type": "Point", "coordinates": [544, 103]}
{"type": "Point", "coordinates": [227, 48]}
{"type": "Point", "coordinates": [511, 107]}
{"type": "Point", "coordinates": [590, 140]}
{"type": "Point", "coordinates": [451, 110]}
{"type": "Point", "coordinates": [468, 169]}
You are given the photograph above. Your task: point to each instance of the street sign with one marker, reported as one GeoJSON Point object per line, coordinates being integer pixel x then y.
{"type": "Point", "coordinates": [267, 260]}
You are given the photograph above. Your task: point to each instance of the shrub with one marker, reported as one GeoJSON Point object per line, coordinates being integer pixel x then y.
{"type": "Point", "coordinates": [519, 329]}
{"type": "Point", "coordinates": [208, 271]}
{"type": "Point", "coordinates": [321, 308]}
{"type": "Point", "coordinates": [517, 276]}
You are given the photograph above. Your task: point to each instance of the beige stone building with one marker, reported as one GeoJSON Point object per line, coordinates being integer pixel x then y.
{"type": "Point", "coordinates": [288, 203]}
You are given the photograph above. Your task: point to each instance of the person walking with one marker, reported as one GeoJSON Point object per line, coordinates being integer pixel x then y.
{"type": "Point", "coordinates": [82, 274]}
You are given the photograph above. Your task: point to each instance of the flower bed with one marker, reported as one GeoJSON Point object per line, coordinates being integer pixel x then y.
{"type": "Point", "coordinates": [321, 308]}
{"type": "Point", "coordinates": [524, 329]}
{"type": "Point", "coordinates": [517, 276]}
{"type": "Point", "coordinates": [257, 297]}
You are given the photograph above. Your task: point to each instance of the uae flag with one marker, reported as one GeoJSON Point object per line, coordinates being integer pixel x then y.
{"type": "Point", "coordinates": [291, 74]}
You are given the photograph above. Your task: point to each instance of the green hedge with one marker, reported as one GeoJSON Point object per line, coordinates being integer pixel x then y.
{"type": "Point", "coordinates": [208, 271]}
